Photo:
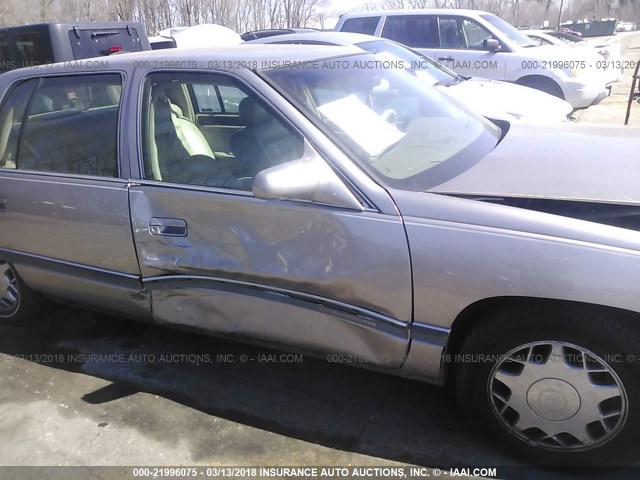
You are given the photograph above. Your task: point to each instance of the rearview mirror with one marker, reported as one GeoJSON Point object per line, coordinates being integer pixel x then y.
{"type": "Point", "coordinates": [492, 45]}
{"type": "Point", "coordinates": [309, 179]}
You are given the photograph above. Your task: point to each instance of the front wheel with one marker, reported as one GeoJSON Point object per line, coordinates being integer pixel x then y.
{"type": "Point", "coordinates": [561, 387]}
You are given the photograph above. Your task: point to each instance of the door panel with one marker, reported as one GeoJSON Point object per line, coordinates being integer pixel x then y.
{"type": "Point", "coordinates": [80, 221]}
{"type": "Point", "coordinates": [345, 261]}
{"type": "Point", "coordinates": [214, 257]}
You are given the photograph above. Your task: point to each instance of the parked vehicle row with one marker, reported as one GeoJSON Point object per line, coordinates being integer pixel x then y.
{"type": "Point", "coordinates": [477, 43]}
{"type": "Point", "coordinates": [491, 98]}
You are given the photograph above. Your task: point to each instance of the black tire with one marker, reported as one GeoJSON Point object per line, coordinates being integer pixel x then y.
{"type": "Point", "coordinates": [27, 305]}
{"type": "Point", "coordinates": [543, 84]}
{"type": "Point", "coordinates": [591, 330]}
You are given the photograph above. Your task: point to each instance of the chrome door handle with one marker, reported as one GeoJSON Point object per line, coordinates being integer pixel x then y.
{"type": "Point", "coordinates": [446, 59]}
{"type": "Point", "coordinates": [168, 227]}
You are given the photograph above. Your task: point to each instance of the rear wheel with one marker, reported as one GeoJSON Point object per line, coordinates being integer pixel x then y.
{"type": "Point", "coordinates": [18, 303]}
{"type": "Point", "coordinates": [543, 84]}
{"type": "Point", "coordinates": [561, 387]}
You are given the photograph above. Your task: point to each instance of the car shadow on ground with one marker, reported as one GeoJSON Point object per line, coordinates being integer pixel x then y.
{"type": "Point", "coordinates": [316, 401]}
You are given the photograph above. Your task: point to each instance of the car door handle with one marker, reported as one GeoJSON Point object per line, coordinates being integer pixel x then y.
{"type": "Point", "coordinates": [446, 59]}
{"type": "Point", "coordinates": [168, 227]}
{"type": "Point", "coordinates": [3, 204]}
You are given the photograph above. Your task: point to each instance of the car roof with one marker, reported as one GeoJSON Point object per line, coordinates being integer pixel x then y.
{"type": "Point", "coordinates": [71, 25]}
{"type": "Point", "coordinates": [230, 58]}
{"type": "Point", "coordinates": [419, 11]}
{"type": "Point", "coordinates": [270, 32]}
{"type": "Point", "coordinates": [337, 38]}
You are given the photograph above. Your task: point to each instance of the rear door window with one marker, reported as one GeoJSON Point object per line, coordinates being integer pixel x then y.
{"type": "Point", "coordinates": [417, 31]}
{"type": "Point", "coordinates": [451, 35]}
{"type": "Point", "coordinates": [87, 43]}
{"type": "Point", "coordinates": [71, 126]}
{"type": "Point", "coordinates": [366, 25]}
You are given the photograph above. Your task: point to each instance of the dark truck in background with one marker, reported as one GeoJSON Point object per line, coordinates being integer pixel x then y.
{"type": "Point", "coordinates": [44, 43]}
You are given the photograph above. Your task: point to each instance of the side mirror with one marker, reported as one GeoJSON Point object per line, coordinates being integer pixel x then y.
{"type": "Point", "coordinates": [492, 45]}
{"type": "Point", "coordinates": [308, 179]}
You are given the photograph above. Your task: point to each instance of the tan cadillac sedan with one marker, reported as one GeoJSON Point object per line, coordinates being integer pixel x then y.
{"type": "Point", "coordinates": [311, 198]}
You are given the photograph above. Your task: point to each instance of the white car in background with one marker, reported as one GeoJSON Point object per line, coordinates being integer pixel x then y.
{"type": "Point", "coordinates": [197, 36]}
{"type": "Point", "coordinates": [608, 56]}
{"type": "Point", "coordinates": [490, 98]}
{"type": "Point", "coordinates": [476, 43]}
{"type": "Point", "coordinates": [626, 27]}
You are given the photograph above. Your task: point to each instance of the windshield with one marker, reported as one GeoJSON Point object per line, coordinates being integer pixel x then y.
{"type": "Point", "coordinates": [404, 133]}
{"type": "Point", "coordinates": [423, 67]}
{"type": "Point", "coordinates": [509, 31]}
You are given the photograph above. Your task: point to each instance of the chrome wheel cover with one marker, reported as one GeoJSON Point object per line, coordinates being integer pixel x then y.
{"type": "Point", "coordinates": [557, 396]}
{"type": "Point", "coordinates": [9, 291]}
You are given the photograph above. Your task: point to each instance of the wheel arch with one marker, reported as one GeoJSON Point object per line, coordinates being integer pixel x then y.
{"type": "Point", "coordinates": [468, 318]}
{"type": "Point", "coordinates": [527, 80]}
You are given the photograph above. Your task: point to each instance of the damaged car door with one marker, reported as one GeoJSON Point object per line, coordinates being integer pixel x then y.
{"type": "Point", "coordinates": [319, 274]}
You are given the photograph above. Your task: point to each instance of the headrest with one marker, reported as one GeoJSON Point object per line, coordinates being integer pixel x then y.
{"type": "Point", "coordinates": [176, 110]}
{"type": "Point", "coordinates": [251, 112]}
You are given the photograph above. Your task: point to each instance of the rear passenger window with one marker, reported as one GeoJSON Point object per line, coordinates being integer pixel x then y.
{"type": "Point", "coordinates": [361, 25]}
{"type": "Point", "coordinates": [418, 31]}
{"type": "Point", "coordinates": [71, 126]}
{"type": "Point", "coordinates": [451, 35]}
